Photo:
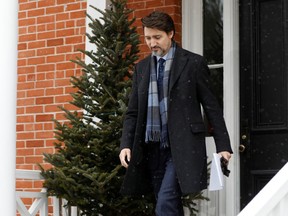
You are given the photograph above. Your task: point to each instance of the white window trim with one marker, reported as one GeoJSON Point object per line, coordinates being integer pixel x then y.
{"type": "Point", "coordinates": [192, 39]}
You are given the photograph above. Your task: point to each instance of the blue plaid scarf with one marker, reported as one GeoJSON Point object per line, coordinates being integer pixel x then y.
{"type": "Point", "coordinates": [157, 115]}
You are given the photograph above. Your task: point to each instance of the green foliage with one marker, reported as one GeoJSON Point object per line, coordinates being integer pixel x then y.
{"type": "Point", "coordinates": [85, 168]}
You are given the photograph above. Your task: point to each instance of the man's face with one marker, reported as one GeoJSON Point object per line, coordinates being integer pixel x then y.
{"type": "Point", "coordinates": [158, 41]}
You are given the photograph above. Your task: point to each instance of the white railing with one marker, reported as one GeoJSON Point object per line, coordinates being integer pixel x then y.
{"type": "Point", "coordinates": [272, 200]}
{"type": "Point", "coordinates": [40, 199]}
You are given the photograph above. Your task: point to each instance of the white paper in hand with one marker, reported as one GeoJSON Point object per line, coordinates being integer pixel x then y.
{"type": "Point", "coordinates": [216, 174]}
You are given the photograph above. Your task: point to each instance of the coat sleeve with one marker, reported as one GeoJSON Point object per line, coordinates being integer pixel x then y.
{"type": "Point", "coordinates": [130, 118]}
{"type": "Point", "coordinates": [211, 108]}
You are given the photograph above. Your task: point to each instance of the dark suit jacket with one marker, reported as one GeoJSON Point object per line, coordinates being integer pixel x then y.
{"type": "Point", "coordinates": [188, 88]}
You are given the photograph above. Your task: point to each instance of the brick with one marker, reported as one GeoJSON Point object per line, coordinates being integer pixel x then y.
{"type": "Point", "coordinates": [21, 62]}
{"type": "Point", "coordinates": [46, 3]}
{"type": "Point", "coordinates": [41, 28]}
{"type": "Point", "coordinates": [38, 126]}
{"type": "Point", "coordinates": [20, 160]}
{"type": "Point", "coordinates": [21, 78]}
{"type": "Point", "coordinates": [29, 127]}
{"type": "Point", "coordinates": [45, 84]}
{"type": "Point", "coordinates": [26, 54]}
{"type": "Point", "coordinates": [45, 19]}
{"type": "Point", "coordinates": [26, 70]}
{"type": "Point", "coordinates": [73, 6]}
{"type": "Point", "coordinates": [40, 151]}
{"type": "Point", "coordinates": [31, 77]}
{"type": "Point", "coordinates": [60, 74]}
{"type": "Point", "coordinates": [49, 126]}
{"type": "Point", "coordinates": [70, 24]}
{"type": "Point", "coordinates": [25, 102]}
{"type": "Point", "coordinates": [22, 86]}
{"type": "Point", "coordinates": [22, 15]}
{"type": "Point", "coordinates": [36, 44]}
{"type": "Point", "coordinates": [73, 40]}
{"type": "Point", "coordinates": [27, 22]}
{"type": "Point", "coordinates": [31, 29]}
{"type": "Point", "coordinates": [44, 135]}
{"type": "Point", "coordinates": [154, 4]}
{"type": "Point", "coordinates": [27, 6]}
{"type": "Point", "coordinates": [63, 1]}
{"type": "Point", "coordinates": [54, 91]}
{"type": "Point", "coordinates": [20, 144]}
{"type": "Point", "coordinates": [22, 30]}
{"type": "Point", "coordinates": [19, 127]}
{"type": "Point", "coordinates": [62, 16]}
{"type": "Point", "coordinates": [65, 32]}
{"type": "Point", "coordinates": [55, 42]}
{"type": "Point", "coordinates": [63, 98]}
{"type": "Point", "coordinates": [34, 109]}
{"type": "Point", "coordinates": [55, 58]}
{"type": "Point", "coordinates": [23, 184]}
{"type": "Point", "coordinates": [33, 159]}
{"type": "Point", "coordinates": [22, 46]}
{"type": "Point", "coordinates": [25, 136]}
{"type": "Point", "coordinates": [34, 143]}
{"type": "Point", "coordinates": [46, 35]}
{"type": "Point", "coordinates": [51, 27]}
{"type": "Point", "coordinates": [40, 76]}
{"type": "Point", "coordinates": [35, 93]}
{"type": "Point", "coordinates": [65, 65]}
{"type": "Point", "coordinates": [60, 25]}
{"type": "Point", "coordinates": [77, 14]}
{"type": "Point", "coordinates": [36, 61]}
{"type": "Point", "coordinates": [45, 51]}
{"type": "Point", "coordinates": [64, 49]}
{"type": "Point", "coordinates": [24, 152]}
{"type": "Point", "coordinates": [55, 9]}
{"type": "Point", "coordinates": [44, 100]}
{"type": "Point", "coordinates": [52, 108]}
{"type": "Point", "coordinates": [50, 75]}
{"type": "Point", "coordinates": [44, 118]}
{"type": "Point", "coordinates": [45, 67]}
{"type": "Point", "coordinates": [50, 142]}
{"type": "Point", "coordinates": [25, 119]}
{"type": "Point", "coordinates": [36, 12]}
{"type": "Point", "coordinates": [62, 82]}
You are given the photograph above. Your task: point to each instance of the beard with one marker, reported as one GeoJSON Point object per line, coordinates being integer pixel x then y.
{"type": "Point", "coordinates": [159, 52]}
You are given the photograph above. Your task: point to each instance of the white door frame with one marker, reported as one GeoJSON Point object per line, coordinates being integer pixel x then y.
{"type": "Point", "coordinates": [192, 39]}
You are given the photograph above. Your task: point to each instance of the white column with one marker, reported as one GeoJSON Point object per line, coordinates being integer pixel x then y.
{"type": "Point", "coordinates": [102, 5]}
{"type": "Point", "coordinates": [8, 66]}
{"type": "Point", "coordinates": [231, 102]}
{"type": "Point", "coordinates": [192, 25]}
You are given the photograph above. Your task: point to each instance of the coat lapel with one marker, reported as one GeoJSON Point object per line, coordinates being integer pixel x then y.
{"type": "Point", "coordinates": [179, 63]}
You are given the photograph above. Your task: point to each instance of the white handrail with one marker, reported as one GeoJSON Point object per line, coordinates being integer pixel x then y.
{"type": "Point", "coordinates": [40, 203]}
{"type": "Point", "coordinates": [271, 199]}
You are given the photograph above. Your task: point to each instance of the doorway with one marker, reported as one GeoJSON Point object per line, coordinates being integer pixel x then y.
{"type": "Point", "coordinates": [263, 93]}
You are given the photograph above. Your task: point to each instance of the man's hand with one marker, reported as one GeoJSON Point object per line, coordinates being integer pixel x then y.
{"type": "Point", "coordinates": [225, 154]}
{"type": "Point", "coordinates": [125, 156]}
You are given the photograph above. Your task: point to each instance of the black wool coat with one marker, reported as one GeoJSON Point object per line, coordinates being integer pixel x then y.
{"type": "Point", "coordinates": [189, 86]}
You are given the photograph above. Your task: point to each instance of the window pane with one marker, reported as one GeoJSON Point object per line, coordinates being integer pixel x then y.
{"type": "Point", "coordinates": [213, 31]}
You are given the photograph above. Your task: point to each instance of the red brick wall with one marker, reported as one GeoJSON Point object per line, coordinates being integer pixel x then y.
{"type": "Point", "coordinates": [144, 7]}
{"type": "Point", "coordinates": [50, 33]}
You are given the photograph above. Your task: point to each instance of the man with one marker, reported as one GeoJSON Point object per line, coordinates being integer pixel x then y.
{"type": "Point", "coordinates": [163, 140]}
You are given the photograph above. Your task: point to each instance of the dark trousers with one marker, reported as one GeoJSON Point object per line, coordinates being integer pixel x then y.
{"type": "Point", "coordinates": [165, 182]}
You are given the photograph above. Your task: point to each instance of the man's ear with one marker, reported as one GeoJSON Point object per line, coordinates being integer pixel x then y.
{"type": "Point", "coordinates": [171, 34]}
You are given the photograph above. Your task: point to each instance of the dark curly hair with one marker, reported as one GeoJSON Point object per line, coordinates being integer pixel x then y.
{"type": "Point", "coordinates": [159, 20]}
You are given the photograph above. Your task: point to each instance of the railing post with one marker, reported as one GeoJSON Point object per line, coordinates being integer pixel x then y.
{"type": "Point", "coordinates": [8, 65]}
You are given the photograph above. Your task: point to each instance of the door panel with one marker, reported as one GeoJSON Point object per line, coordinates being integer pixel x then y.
{"type": "Point", "coordinates": [263, 82]}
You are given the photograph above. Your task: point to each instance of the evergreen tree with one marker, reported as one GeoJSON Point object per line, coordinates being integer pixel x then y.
{"type": "Point", "coordinates": [85, 168]}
